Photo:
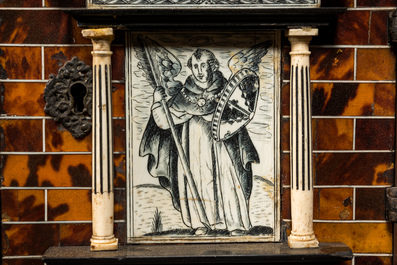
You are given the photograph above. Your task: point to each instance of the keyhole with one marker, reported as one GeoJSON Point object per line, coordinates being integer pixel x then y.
{"type": "Point", "coordinates": [78, 92]}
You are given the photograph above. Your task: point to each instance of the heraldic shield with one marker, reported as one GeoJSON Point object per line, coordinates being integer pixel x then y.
{"type": "Point", "coordinates": [236, 107]}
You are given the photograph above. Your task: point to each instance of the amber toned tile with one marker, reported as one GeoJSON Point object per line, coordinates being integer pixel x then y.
{"type": "Point", "coordinates": [120, 232]}
{"type": "Point", "coordinates": [377, 3]}
{"type": "Point", "coordinates": [119, 205]}
{"type": "Point", "coordinates": [21, 3]}
{"type": "Point", "coordinates": [23, 99]}
{"type": "Point", "coordinates": [385, 98]}
{"type": "Point", "coordinates": [119, 135]}
{"type": "Point", "coordinates": [285, 99]}
{"type": "Point", "coordinates": [335, 204]}
{"type": "Point", "coordinates": [316, 204]}
{"type": "Point", "coordinates": [331, 64]}
{"type": "Point", "coordinates": [285, 169]}
{"type": "Point", "coordinates": [119, 168]}
{"type": "Point", "coordinates": [118, 63]}
{"type": "Point", "coordinates": [56, 57]}
{"type": "Point", "coordinates": [286, 60]}
{"type": "Point", "coordinates": [62, 3]}
{"type": "Point", "coordinates": [360, 237]}
{"type": "Point", "coordinates": [285, 134]}
{"type": "Point", "coordinates": [32, 239]}
{"type": "Point", "coordinates": [69, 205]}
{"type": "Point", "coordinates": [378, 28]}
{"type": "Point", "coordinates": [332, 134]}
{"type": "Point", "coordinates": [336, 99]}
{"type": "Point", "coordinates": [75, 234]}
{"type": "Point", "coordinates": [118, 98]}
{"type": "Point", "coordinates": [22, 135]}
{"type": "Point", "coordinates": [337, 3]}
{"type": "Point", "coordinates": [21, 62]}
{"type": "Point", "coordinates": [376, 64]}
{"type": "Point", "coordinates": [23, 261]}
{"type": "Point", "coordinates": [40, 27]}
{"type": "Point", "coordinates": [60, 139]}
{"type": "Point", "coordinates": [31, 205]}
{"type": "Point", "coordinates": [374, 134]}
{"type": "Point", "coordinates": [354, 169]}
{"type": "Point", "coordinates": [9, 205]}
{"type": "Point", "coordinates": [352, 28]}
{"type": "Point", "coordinates": [47, 171]}
{"type": "Point", "coordinates": [370, 204]}
{"type": "Point", "coordinates": [286, 203]}
{"type": "Point", "coordinates": [372, 260]}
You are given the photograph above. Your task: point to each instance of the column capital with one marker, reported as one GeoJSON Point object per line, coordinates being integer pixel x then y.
{"type": "Point", "coordinates": [101, 38]}
{"type": "Point", "coordinates": [302, 32]}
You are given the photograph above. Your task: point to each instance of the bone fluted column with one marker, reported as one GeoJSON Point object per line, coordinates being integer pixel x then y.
{"type": "Point", "coordinates": [302, 233]}
{"type": "Point", "coordinates": [102, 147]}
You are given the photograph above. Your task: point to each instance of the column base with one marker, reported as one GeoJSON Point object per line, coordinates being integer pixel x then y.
{"type": "Point", "coordinates": [303, 241]}
{"type": "Point", "coordinates": [104, 244]}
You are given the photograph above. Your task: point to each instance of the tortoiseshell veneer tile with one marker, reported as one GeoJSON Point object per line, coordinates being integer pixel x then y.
{"type": "Point", "coordinates": [75, 234]}
{"type": "Point", "coordinates": [331, 64]}
{"type": "Point", "coordinates": [119, 205]}
{"type": "Point", "coordinates": [69, 205]}
{"type": "Point", "coordinates": [385, 99]}
{"type": "Point", "coordinates": [285, 134]}
{"type": "Point", "coordinates": [21, 3]}
{"type": "Point", "coordinates": [377, 3]}
{"type": "Point", "coordinates": [286, 203]}
{"type": "Point", "coordinates": [31, 205]}
{"type": "Point", "coordinates": [23, 261]}
{"type": "Point", "coordinates": [285, 99]}
{"type": "Point", "coordinates": [29, 239]}
{"type": "Point", "coordinates": [354, 169]}
{"type": "Point", "coordinates": [23, 99]}
{"type": "Point", "coordinates": [119, 135]}
{"type": "Point", "coordinates": [376, 64]}
{"type": "Point", "coordinates": [47, 171]}
{"type": "Point", "coordinates": [360, 237]}
{"type": "Point", "coordinates": [9, 205]}
{"type": "Point", "coordinates": [372, 260]}
{"type": "Point", "coordinates": [334, 204]}
{"type": "Point", "coordinates": [378, 28]}
{"type": "Point", "coordinates": [332, 134]}
{"type": "Point", "coordinates": [118, 97]}
{"type": "Point", "coordinates": [370, 203]}
{"type": "Point", "coordinates": [58, 139]}
{"type": "Point", "coordinates": [337, 3]}
{"type": "Point", "coordinates": [375, 134]}
{"type": "Point", "coordinates": [22, 135]}
{"type": "Point", "coordinates": [21, 62]}
{"type": "Point", "coordinates": [40, 27]}
{"type": "Point", "coordinates": [352, 28]}
{"type": "Point", "coordinates": [119, 169]}
{"type": "Point", "coordinates": [285, 169]}
{"type": "Point", "coordinates": [63, 3]}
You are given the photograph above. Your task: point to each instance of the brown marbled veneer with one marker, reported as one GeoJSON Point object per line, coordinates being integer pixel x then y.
{"type": "Point", "coordinates": [332, 134]}
{"type": "Point", "coordinates": [36, 261]}
{"type": "Point", "coordinates": [23, 99]}
{"type": "Point", "coordinates": [385, 98]}
{"type": "Point", "coordinates": [22, 135]}
{"type": "Point", "coordinates": [21, 3]}
{"type": "Point", "coordinates": [31, 239]}
{"type": "Point", "coordinates": [47, 171]}
{"type": "Point", "coordinates": [58, 139]}
{"type": "Point", "coordinates": [378, 28]}
{"type": "Point", "coordinates": [119, 135]}
{"type": "Point", "coordinates": [360, 237]}
{"type": "Point", "coordinates": [331, 63]}
{"type": "Point", "coordinates": [375, 3]}
{"type": "Point", "coordinates": [286, 203]}
{"type": "Point", "coordinates": [119, 168]}
{"type": "Point", "coordinates": [352, 28]}
{"type": "Point", "coordinates": [370, 203]}
{"type": "Point", "coordinates": [9, 205]}
{"type": "Point", "coordinates": [75, 234]}
{"type": "Point", "coordinates": [63, 3]}
{"type": "Point", "coordinates": [372, 260]}
{"type": "Point", "coordinates": [285, 134]}
{"type": "Point", "coordinates": [118, 98]}
{"type": "Point", "coordinates": [119, 205]}
{"type": "Point", "coordinates": [285, 169]}
{"type": "Point", "coordinates": [337, 3]}
{"type": "Point", "coordinates": [31, 205]}
{"type": "Point", "coordinates": [354, 169]}
{"type": "Point", "coordinates": [333, 204]}
{"type": "Point", "coordinates": [376, 64]}
{"type": "Point", "coordinates": [375, 134]}
{"type": "Point", "coordinates": [21, 62]}
{"type": "Point", "coordinates": [40, 27]}
{"type": "Point", "coordinates": [69, 205]}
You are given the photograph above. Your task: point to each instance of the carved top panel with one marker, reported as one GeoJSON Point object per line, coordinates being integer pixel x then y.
{"type": "Point", "coordinates": [202, 3]}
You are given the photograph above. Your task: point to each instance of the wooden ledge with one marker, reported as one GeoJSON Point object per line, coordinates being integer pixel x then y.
{"type": "Point", "coordinates": [327, 253]}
